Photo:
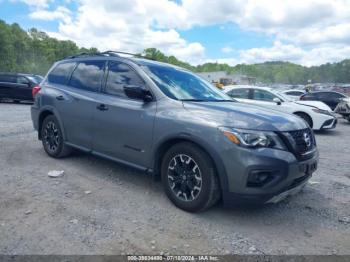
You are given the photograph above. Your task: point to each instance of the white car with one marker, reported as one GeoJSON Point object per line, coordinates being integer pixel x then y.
{"type": "Point", "coordinates": [293, 94]}
{"type": "Point", "coordinates": [317, 114]}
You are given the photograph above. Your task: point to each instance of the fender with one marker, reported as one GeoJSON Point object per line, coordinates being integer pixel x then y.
{"type": "Point", "coordinates": [175, 138]}
{"type": "Point", "coordinates": [56, 114]}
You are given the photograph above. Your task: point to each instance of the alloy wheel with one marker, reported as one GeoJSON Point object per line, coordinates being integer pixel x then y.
{"type": "Point", "coordinates": [184, 177]}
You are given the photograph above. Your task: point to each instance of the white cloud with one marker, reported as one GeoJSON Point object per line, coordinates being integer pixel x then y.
{"type": "Point", "coordinates": [289, 52]}
{"type": "Point", "coordinates": [129, 26]}
{"type": "Point", "coordinates": [227, 49]}
{"type": "Point", "coordinates": [320, 26]}
{"type": "Point", "coordinates": [35, 3]}
{"type": "Point", "coordinates": [61, 13]}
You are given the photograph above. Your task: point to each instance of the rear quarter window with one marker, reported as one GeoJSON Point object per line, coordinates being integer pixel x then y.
{"type": "Point", "coordinates": [61, 73]}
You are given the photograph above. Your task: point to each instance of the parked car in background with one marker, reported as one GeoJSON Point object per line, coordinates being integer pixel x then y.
{"type": "Point", "coordinates": [169, 122]}
{"type": "Point", "coordinates": [343, 108]}
{"type": "Point", "coordinates": [18, 87]}
{"type": "Point", "coordinates": [317, 114]}
{"type": "Point", "coordinates": [330, 98]}
{"type": "Point", "coordinates": [293, 93]}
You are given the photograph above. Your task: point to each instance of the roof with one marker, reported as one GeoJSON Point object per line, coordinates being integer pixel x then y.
{"type": "Point", "coordinates": [110, 55]}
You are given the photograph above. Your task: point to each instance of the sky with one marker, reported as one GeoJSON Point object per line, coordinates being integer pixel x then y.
{"type": "Point", "coordinates": [307, 32]}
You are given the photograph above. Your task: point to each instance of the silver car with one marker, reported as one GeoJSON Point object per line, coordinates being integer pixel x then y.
{"type": "Point", "coordinates": [168, 122]}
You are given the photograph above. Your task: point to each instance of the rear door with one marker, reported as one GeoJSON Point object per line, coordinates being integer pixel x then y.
{"type": "Point", "coordinates": [23, 89]}
{"type": "Point", "coordinates": [74, 98]}
{"type": "Point", "coordinates": [123, 127]}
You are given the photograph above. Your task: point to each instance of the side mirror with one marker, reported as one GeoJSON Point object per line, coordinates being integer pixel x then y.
{"type": "Point", "coordinates": [277, 101]}
{"type": "Point", "coordinates": [138, 92]}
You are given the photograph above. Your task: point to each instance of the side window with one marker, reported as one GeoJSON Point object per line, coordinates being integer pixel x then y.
{"type": "Point", "coordinates": [335, 95]}
{"type": "Point", "coordinates": [322, 95]}
{"type": "Point", "coordinates": [7, 79]}
{"type": "Point", "coordinates": [263, 95]}
{"type": "Point", "coordinates": [119, 75]}
{"type": "Point", "coordinates": [239, 93]}
{"type": "Point", "coordinates": [87, 76]}
{"type": "Point", "coordinates": [60, 74]}
{"type": "Point", "coordinates": [22, 80]}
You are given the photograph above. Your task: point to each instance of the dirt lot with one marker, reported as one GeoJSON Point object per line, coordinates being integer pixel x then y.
{"type": "Point", "coordinates": [127, 213]}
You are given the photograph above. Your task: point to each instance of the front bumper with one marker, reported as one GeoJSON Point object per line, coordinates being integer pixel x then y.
{"type": "Point", "coordinates": [330, 123]}
{"type": "Point", "coordinates": [288, 175]}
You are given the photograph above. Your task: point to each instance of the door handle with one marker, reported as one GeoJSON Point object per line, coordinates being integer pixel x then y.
{"type": "Point", "coordinates": [102, 107]}
{"type": "Point", "coordinates": [60, 98]}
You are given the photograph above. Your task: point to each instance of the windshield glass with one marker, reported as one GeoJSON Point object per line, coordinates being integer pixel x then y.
{"type": "Point", "coordinates": [183, 85]}
{"type": "Point", "coordinates": [283, 97]}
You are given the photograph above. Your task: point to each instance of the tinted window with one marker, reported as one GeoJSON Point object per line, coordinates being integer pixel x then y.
{"type": "Point", "coordinates": [119, 75]}
{"type": "Point", "coordinates": [335, 95]}
{"type": "Point", "coordinates": [88, 75]}
{"type": "Point", "coordinates": [60, 74]}
{"type": "Point", "coordinates": [322, 95]}
{"type": "Point", "coordinates": [263, 95]}
{"type": "Point", "coordinates": [7, 78]}
{"type": "Point", "coordinates": [239, 93]}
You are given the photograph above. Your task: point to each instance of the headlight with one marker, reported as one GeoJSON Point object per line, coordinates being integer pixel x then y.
{"type": "Point", "coordinates": [252, 138]}
{"type": "Point", "coordinates": [321, 111]}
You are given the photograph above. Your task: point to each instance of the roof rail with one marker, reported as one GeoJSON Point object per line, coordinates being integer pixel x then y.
{"type": "Point", "coordinates": [116, 53]}
{"type": "Point", "coordinates": [107, 53]}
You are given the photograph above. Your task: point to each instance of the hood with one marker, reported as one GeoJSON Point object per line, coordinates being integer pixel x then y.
{"type": "Point", "coordinates": [318, 104]}
{"type": "Point", "coordinates": [245, 116]}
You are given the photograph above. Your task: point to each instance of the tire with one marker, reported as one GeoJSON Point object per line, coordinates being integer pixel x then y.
{"type": "Point", "coordinates": [306, 118]}
{"type": "Point", "coordinates": [186, 167]}
{"type": "Point", "coordinates": [52, 138]}
{"type": "Point", "coordinates": [16, 101]}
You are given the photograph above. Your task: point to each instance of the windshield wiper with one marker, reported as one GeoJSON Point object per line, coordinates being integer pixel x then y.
{"type": "Point", "coordinates": [202, 100]}
{"type": "Point", "coordinates": [193, 100]}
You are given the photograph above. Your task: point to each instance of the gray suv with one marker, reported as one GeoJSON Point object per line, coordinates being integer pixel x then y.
{"type": "Point", "coordinates": [167, 121]}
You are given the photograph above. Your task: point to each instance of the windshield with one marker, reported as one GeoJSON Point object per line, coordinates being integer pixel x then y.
{"type": "Point", "coordinates": [283, 97]}
{"type": "Point", "coordinates": [183, 85]}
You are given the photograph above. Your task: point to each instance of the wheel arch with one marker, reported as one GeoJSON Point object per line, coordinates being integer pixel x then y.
{"type": "Point", "coordinates": [45, 112]}
{"type": "Point", "coordinates": [168, 143]}
{"type": "Point", "coordinates": [304, 113]}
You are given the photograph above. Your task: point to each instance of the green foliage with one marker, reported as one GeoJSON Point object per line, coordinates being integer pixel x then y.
{"type": "Point", "coordinates": [32, 51]}
{"type": "Point", "coordinates": [35, 52]}
{"type": "Point", "coordinates": [155, 54]}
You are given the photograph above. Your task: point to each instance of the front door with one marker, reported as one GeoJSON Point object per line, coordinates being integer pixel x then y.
{"type": "Point", "coordinates": [123, 127]}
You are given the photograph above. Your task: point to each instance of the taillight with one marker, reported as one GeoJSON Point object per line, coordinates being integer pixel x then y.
{"type": "Point", "coordinates": [35, 90]}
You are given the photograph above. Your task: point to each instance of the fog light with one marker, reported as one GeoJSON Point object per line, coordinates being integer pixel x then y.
{"type": "Point", "coordinates": [258, 178]}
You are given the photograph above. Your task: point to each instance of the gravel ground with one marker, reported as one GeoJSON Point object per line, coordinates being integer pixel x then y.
{"type": "Point", "coordinates": [100, 207]}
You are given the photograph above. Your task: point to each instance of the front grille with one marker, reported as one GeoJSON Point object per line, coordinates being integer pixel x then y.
{"type": "Point", "coordinates": [301, 142]}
